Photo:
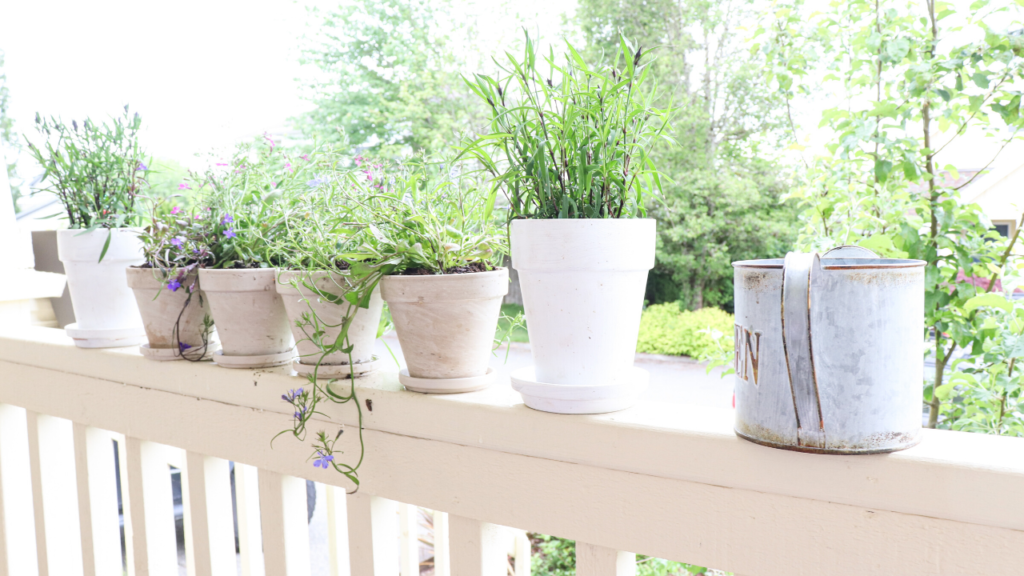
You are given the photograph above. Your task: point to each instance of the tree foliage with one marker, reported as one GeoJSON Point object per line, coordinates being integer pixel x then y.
{"type": "Point", "coordinates": [8, 137]}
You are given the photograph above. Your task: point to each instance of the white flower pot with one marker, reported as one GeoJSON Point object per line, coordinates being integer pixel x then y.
{"type": "Point", "coordinates": [161, 308]}
{"type": "Point", "coordinates": [583, 283]}
{"type": "Point", "coordinates": [299, 300]}
{"type": "Point", "coordinates": [251, 321]}
{"type": "Point", "coordinates": [105, 311]}
{"type": "Point", "coordinates": [445, 324]}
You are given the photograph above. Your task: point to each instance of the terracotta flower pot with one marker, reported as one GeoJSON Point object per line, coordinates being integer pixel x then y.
{"type": "Point", "coordinates": [105, 311]}
{"type": "Point", "coordinates": [300, 300]}
{"type": "Point", "coordinates": [161, 307]}
{"type": "Point", "coordinates": [583, 283]}
{"type": "Point", "coordinates": [250, 316]}
{"type": "Point", "coordinates": [445, 324]}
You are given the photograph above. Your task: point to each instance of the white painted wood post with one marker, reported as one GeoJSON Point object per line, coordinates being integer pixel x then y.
{"type": "Point", "coordinates": [523, 554]}
{"type": "Point", "coordinates": [148, 509]}
{"type": "Point", "coordinates": [32, 425]}
{"type": "Point", "coordinates": [600, 561]}
{"type": "Point", "coordinates": [209, 530]}
{"type": "Point", "coordinates": [97, 500]}
{"type": "Point", "coordinates": [337, 531]}
{"type": "Point", "coordinates": [18, 552]}
{"type": "Point", "coordinates": [442, 557]}
{"type": "Point", "coordinates": [409, 545]}
{"type": "Point", "coordinates": [250, 533]}
{"type": "Point", "coordinates": [57, 479]}
{"type": "Point", "coordinates": [283, 518]}
{"type": "Point", "coordinates": [476, 548]}
{"type": "Point", "coordinates": [372, 535]}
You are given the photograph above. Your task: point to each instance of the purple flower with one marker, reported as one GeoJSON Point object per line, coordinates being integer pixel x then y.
{"type": "Point", "coordinates": [177, 241]}
{"type": "Point", "coordinates": [300, 413]}
{"type": "Point", "coordinates": [182, 346]}
{"type": "Point", "coordinates": [227, 219]}
{"type": "Point", "coordinates": [222, 164]}
{"type": "Point", "coordinates": [305, 157]}
{"type": "Point", "coordinates": [173, 285]}
{"type": "Point", "coordinates": [230, 233]}
{"type": "Point", "coordinates": [291, 395]}
{"type": "Point", "coordinates": [141, 166]}
{"type": "Point", "coordinates": [316, 182]}
{"type": "Point", "coordinates": [176, 210]}
{"type": "Point", "coordinates": [184, 186]}
{"type": "Point", "coordinates": [324, 460]}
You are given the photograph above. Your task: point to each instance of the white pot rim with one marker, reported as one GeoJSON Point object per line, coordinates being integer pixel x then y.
{"type": "Point", "coordinates": [78, 245]}
{"type": "Point", "coordinates": [573, 245]}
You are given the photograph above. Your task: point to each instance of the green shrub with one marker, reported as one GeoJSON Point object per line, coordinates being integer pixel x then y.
{"type": "Point", "coordinates": [666, 329]}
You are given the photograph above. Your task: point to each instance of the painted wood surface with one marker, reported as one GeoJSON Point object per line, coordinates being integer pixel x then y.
{"type": "Point", "coordinates": [694, 492]}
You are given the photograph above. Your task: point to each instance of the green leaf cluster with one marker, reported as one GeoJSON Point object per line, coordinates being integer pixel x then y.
{"type": "Point", "coordinates": [669, 329]}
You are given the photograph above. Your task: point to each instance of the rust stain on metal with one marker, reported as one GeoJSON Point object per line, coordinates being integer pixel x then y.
{"type": "Point", "coordinates": [881, 443]}
{"type": "Point", "coordinates": [901, 277]}
{"type": "Point", "coordinates": [757, 281]}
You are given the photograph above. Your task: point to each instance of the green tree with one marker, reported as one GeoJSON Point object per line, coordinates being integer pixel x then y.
{"type": "Point", "coordinates": [908, 89]}
{"type": "Point", "coordinates": [388, 79]}
{"type": "Point", "coordinates": [721, 195]}
{"type": "Point", "coordinates": [8, 137]}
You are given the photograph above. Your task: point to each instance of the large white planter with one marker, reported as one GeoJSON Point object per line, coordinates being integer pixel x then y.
{"type": "Point", "coordinates": [583, 285]}
{"type": "Point", "coordinates": [105, 311]}
{"type": "Point", "coordinates": [445, 324]}
{"type": "Point", "coordinates": [250, 317]}
{"type": "Point", "coordinates": [161, 309]}
{"type": "Point", "coordinates": [299, 300]}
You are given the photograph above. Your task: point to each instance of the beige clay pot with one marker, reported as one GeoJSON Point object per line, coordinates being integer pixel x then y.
{"type": "Point", "coordinates": [299, 299]}
{"type": "Point", "coordinates": [445, 324]}
{"type": "Point", "coordinates": [251, 320]}
{"type": "Point", "coordinates": [160, 308]}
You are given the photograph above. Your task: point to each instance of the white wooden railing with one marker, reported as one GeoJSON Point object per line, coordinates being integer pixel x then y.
{"type": "Point", "coordinates": [664, 480]}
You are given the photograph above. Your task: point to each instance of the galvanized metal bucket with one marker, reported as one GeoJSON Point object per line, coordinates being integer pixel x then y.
{"type": "Point", "coordinates": [829, 351]}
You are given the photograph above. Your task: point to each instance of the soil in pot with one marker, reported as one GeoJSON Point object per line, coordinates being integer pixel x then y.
{"type": "Point", "coordinates": [251, 321]}
{"type": "Point", "coordinates": [300, 299]}
{"type": "Point", "coordinates": [445, 324]}
{"type": "Point", "coordinates": [162, 308]}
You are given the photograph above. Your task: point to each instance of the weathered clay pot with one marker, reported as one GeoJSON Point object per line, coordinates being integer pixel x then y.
{"type": "Point", "coordinates": [251, 320]}
{"type": "Point", "coordinates": [105, 311]}
{"type": "Point", "coordinates": [299, 299]}
{"type": "Point", "coordinates": [160, 308]}
{"type": "Point", "coordinates": [445, 324]}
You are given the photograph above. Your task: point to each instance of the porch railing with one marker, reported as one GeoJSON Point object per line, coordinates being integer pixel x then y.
{"type": "Point", "coordinates": [668, 481]}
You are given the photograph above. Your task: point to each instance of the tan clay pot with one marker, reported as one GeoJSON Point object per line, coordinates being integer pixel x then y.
{"type": "Point", "coordinates": [299, 299]}
{"type": "Point", "coordinates": [446, 323]}
{"type": "Point", "coordinates": [160, 308]}
{"type": "Point", "coordinates": [251, 320]}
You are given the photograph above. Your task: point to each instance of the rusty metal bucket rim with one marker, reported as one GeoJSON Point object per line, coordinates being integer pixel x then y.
{"type": "Point", "coordinates": [838, 263]}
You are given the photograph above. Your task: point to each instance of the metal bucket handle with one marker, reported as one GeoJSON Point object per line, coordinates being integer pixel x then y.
{"type": "Point", "coordinates": [798, 274]}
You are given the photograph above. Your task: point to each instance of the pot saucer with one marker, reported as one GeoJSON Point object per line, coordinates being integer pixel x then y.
{"type": "Point", "coordinates": [446, 385]}
{"type": "Point", "coordinates": [254, 361]}
{"type": "Point", "coordinates": [106, 338]}
{"type": "Point", "coordinates": [327, 371]}
{"type": "Point", "coordinates": [166, 354]}
{"type": "Point", "coordinates": [573, 399]}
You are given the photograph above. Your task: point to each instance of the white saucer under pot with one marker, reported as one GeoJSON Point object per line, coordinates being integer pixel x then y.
{"type": "Point", "coordinates": [579, 399]}
{"type": "Point", "coordinates": [328, 371]}
{"type": "Point", "coordinates": [253, 360]}
{"type": "Point", "coordinates": [446, 385]}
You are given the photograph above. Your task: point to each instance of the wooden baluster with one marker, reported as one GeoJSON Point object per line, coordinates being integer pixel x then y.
{"type": "Point", "coordinates": [600, 561]}
{"type": "Point", "coordinates": [409, 545]}
{"type": "Point", "coordinates": [209, 530]}
{"type": "Point", "coordinates": [372, 535]}
{"type": "Point", "coordinates": [283, 517]}
{"type": "Point", "coordinates": [32, 425]}
{"type": "Point", "coordinates": [148, 508]}
{"type": "Point", "coordinates": [522, 554]}
{"type": "Point", "coordinates": [58, 485]}
{"type": "Point", "coordinates": [442, 558]}
{"type": "Point", "coordinates": [97, 500]}
{"type": "Point", "coordinates": [247, 506]}
{"type": "Point", "coordinates": [337, 531]}
{"type": "Point", "coordinates": [477, 548]}
{"type": "Point", "coordinates": [18, 551]}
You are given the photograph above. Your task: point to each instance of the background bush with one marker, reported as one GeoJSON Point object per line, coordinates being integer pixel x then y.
{"type": "Point", "coordinates": [668, 329]}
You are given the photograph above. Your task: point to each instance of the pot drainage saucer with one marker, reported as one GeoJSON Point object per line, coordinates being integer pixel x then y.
{"type": "Point", "coordinates": [106, 338]}
{"type": "Point", "coordinates": [254, 361]}
{"type": "Point", "coordinates": [165, 354]}
{"type": "Point", "coordinates": [446, 385]}
{"type": "Point", "coordinates": [327, 371]}
{"type": "Point", "coordinates": [573, 399]}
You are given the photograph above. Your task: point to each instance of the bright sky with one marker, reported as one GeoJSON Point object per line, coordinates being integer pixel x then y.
{"type": "Point", "coordinates": [203, 73]}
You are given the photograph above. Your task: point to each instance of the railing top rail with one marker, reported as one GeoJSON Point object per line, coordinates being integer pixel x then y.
{"type": "Point", "coordinates": [954, 476]}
